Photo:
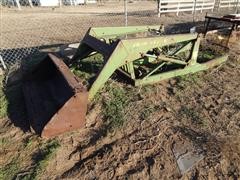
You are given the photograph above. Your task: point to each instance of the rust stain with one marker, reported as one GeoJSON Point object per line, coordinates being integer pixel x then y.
{"type": "Point", "coordinates": [56, 100]}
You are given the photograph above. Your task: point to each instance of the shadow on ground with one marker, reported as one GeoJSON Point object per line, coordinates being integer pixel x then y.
{"type": "Point", "coordinates": [16, 109]}
{"type": "Point", "coordinates": [13, 90]}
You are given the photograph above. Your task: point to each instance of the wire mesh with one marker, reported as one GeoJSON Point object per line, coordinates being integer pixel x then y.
{"type": "Point", "coordinates": [38, 25]}
{"type": "Point", "coordinates": [25, 31]}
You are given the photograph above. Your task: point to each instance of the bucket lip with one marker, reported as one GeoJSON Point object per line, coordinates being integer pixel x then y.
{"type": "Point", "coordinates": [72, 124]}
{"type": "Point", "coordinates": [72, 80]}
{"type": "Point", "coordinates": [77, 101]}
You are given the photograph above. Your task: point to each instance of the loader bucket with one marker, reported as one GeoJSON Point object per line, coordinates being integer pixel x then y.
{"type": "Point", "coordinates": [56, 100]}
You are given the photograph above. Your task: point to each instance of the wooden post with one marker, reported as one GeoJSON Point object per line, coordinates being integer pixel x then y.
{"type": "Point", "coordinates": [30, 3]}
{"type": "Point", "coordinates": [194, 10]}
{"type": "Point", "coordinates": [218, 4]}
{"type": "Point", "coordinates": [213, 5]}
{"type": "Point", "coordinates": [74, 2]}
{"type": "Point", "coordinates": [126, 12]}
{"type": "Point", "coordinates": [159, 8]}
{"type": "Point", "coordinates": [178, 6]}
{"type": "Point", "coordinates": [238, 4]}
{"type": "Point", "coordinates": [18, 5]}
{"type": "Point", "coordinates": [3, 64]}
{"type": "Point", "coordinates": [60, 3]}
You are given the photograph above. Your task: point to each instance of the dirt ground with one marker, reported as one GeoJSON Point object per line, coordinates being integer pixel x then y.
{"type": "Point", "coordinates": [200, 110]}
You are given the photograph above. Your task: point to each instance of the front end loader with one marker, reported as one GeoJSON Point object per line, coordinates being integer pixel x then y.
{"type": "Point", "coordinates": [57, 100]}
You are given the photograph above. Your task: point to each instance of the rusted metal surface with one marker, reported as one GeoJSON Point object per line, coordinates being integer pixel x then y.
{"type": "Point", "coordinates": [56, 100]}
{"type": "Point", "coordinates": [70, 117]}
{"type": "Point", "coordinates": [232, 16]}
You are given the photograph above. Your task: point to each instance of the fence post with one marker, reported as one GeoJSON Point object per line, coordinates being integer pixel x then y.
{"type": "Point", "coordinates": [159, 7]}
{"type": "Point", "coordinates": [219, 5]}
{"type": "Point", "coordinates": [237, 4]}
{"type": "Point", "coordinates": [30, 3]}
{"type": "Point", "coordinates": [194, 10]}
{"type": "Point", "coordinates": [3, 63]}
{"type": "Point", "coordinates": [213, 5]}
{"type": "Point", "coordinates": [60, 3]}
{"type": "Point", "coordinates": [126, 12]}
{"type": "Point", "coordinates": [74, 3]}
{"type": "Point", "coordinates": [18, 5]}
{"type": "Point", "coordinates": [178, 8]}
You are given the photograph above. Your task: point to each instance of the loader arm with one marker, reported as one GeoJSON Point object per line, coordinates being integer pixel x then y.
{"type": "Point", "coordinates": [57, 100]}
{"type": "Point", "coordinates": [125, 51]}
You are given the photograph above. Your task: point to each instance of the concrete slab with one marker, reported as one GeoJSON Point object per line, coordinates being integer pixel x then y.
{"type": "Point", "coordinates": [186, 156]}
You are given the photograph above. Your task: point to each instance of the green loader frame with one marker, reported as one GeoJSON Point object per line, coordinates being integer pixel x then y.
{"type": "Point", "coordinates": [136, 52]}
{"type": "Point", "coordinates": [57, 100]}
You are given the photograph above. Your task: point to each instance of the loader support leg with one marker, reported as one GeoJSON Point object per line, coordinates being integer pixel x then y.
{"type": "Point", "coordinates": [195, 50]}
{"type": "Point", "coordinates": [115, 61]}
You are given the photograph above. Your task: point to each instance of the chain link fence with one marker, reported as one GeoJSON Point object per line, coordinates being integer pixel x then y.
{"type": "Point", "coordinates": [25, 31]}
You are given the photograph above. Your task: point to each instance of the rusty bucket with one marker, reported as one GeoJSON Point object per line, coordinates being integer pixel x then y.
{"type": "Point", "coordinates": [56, 100]}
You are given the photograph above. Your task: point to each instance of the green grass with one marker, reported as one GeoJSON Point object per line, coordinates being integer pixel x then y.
{"type": "Point", "coordinates": [236, 104]}
{"type": "Point", "coordinates": [147, 111]}
{"type": "Point", "coordinates": [9, 171]}
{"type": "Point", "coordinates": [88, 67]}
{"type": "Point", "coordinates": [148, 88]}
{"type": "Point", "coordinates": [183, 82]}
{"type": "Point", "coordinates": [3, 100]}
{"type": "Point", "coordinates": [11, 99]}
{"type": "Point", "coordinates": [192, 115]}
{"type": "Point", "coordinates": [29, 141]}
{"type": "Point", "coordinates": [47, 152]}
{"type": "Point", "coordinates": [4, 141]}
{"type": "Point", "coordinates": [80, 74]}
{"type": "Point", "coordinates": [113, 98]}
{"type": "Point", "coordinates": [114, 106]}
{"type": "Point", "coordinates": [210, 51]}
{"type": "Point", "coordinates": [42, 159]}
{"type": "Point", "coordinates": [206, 55]}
